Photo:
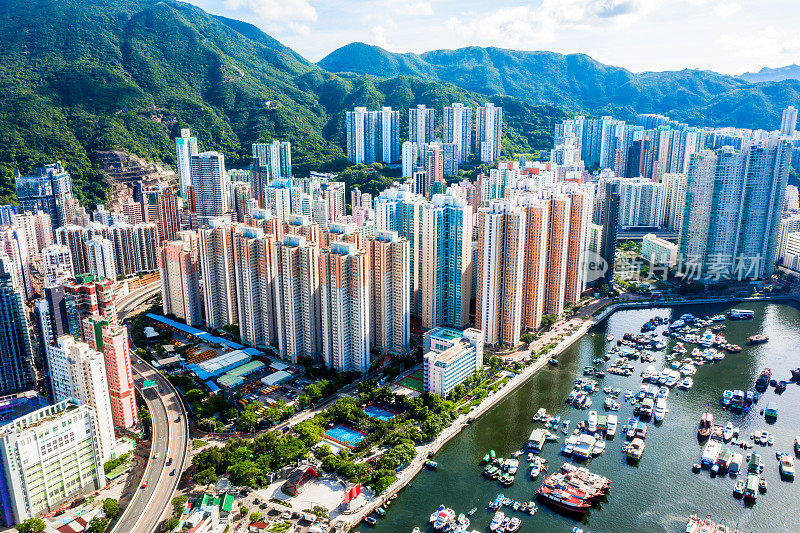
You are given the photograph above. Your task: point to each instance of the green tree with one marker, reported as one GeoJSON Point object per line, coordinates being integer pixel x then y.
{"type": "Point", "coordinates": [97, 525]}
{"type": "Point", "coordinates": [31, 525]}
{"type": "Point", "coordinates": [171, 523]}
{"type": "Point", "coordinates": [206, 477]}
{"type": "Point", "coordinates": [255, 516]}
{"type": "Point", "coordinates": [179, 504]}
{"type": "Point", "coordinates": [110, 508]}
{"type": "Point", "coordinates": [527, 338]}
{"type": "Point", "coordinates": [548, 320]}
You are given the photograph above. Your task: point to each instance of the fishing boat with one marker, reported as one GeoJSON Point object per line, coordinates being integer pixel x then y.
{"type": "Point", "coordinates": [553, 361]}
{"type": "Point", "coordinates": [759, 338]}
{"type": "Point", "coordinates": [686, 384]}
{"type": "Point", "coordinates": [497, 521]}
{"type": "Point", "coordinates": [740, 314]}
{"type": "Point", "coordinates": [660, 409]}
{"type": "Point", "coordinates": [727, 433]}
{"type": "Point", "coordinates": [472, 511]}
{"type": "Point", "coordinates": [763, 380]}
{"type": "Point", "coordinates": [787, 466]}
{"type": "Point", "coordinates": [738, 488]}
{"type": "Point", "coordinates": [513, 524]}
{"type": "Point", "coordinates": [431, 465]}
{"type": "Point", "coordinates": [762, 485]}
{"type": "Point", "coordinates": [726, 398]}
{"type": "Point", "coordinates": [592, 422]}
{"type": "Point", "coordinates": [751, 487]}
{"type": "Point", "coordinates": [635, 450]}
{"type": "Point", "coordinates": [561, 499]}
{"type": "Point", "coordinates": [611, 426]}
{"type": "Point", "coordinates": [371, 520]}
{"type": "Point", "coordinates": [565, 426]}
{"type": "Point", "coordinates": [610, 338]}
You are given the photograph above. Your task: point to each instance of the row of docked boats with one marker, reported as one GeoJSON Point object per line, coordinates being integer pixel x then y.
{"type": "Point", "coordinates": [501, 501]}
{"type": "Point", "coordinates": [445, 519]}
{"type": "Point", "coordinates": [574, 490]}
{"type": "Point", "coordinates": [695, 524]}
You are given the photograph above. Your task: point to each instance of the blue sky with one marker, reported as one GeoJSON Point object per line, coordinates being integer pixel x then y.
{"type": "Point", "coordinates": [730, 36]}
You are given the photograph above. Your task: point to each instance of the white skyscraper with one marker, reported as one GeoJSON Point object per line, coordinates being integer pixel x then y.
{"type": "Point", "coordinates": [209, 180]}
{"type": "Point", "coordinates": [373, 136]}
{"type": "Point", "coordinates": [488, 132]}
{"type": "Point", "coordinates": [457, 129]}
{"type": "Point", "coordinates": [789, 121]}
{"type": "Point", "coordinates": [77, 371]}
{"type": "Point", "coordinates": [409, 158]}
{"type": "Point", "coordinates": [57, 261]}
{"type": "Point", "coordinates": [100, 256]}
{"type": "Point", "coordinates": [420, 127]}
{"type": "Point", "coordinates": [185, 148]}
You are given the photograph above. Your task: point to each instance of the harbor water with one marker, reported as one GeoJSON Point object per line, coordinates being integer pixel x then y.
{"type": "Point", "coordinates": [662, 491]}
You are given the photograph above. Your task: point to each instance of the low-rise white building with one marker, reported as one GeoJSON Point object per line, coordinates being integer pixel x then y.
{"type": "Point", "coordinates": [451, 359]}
{"type": "Point", "coordinates": [48, 457]}
{"type": "Point", "coordinates": [659, 251]}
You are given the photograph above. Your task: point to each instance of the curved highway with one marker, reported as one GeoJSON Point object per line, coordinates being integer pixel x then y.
{"type": "Point", "coordinates": [170, 437]}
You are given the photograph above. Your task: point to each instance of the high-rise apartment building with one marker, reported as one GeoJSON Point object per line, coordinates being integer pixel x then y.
{"type": "Point", "coordinates": [254, 253]}
{"type": "Point", "coordinates": [674, 200]}
{"type": "Point", "coordinates": [13, 244]}
{"type": "Point", "coordinates": [500, 272]}
{"type": "Point", "coordinates": [488, 132]}
{"type": "Point", "coordinates": [789, 121]}
{"type": "Point", "coordinates": [457, 129]}
{"type": "Point", "coordinates": [344, 289]}
{"type": "Point", "coordinates": [297, 298]}
{"type": "Point", "coordinates": [390, 292]}
{"type": "Point", "coordinates": [133, 212]}
{"type": "Point", "coordinates": [373, 136]}
{"type": "Point", "coordinates": [88, 296]}
{"type": "Point", "coordinates": [78, 371]}
{"type": "Point", "coordinates": [209, 182]}
{"type": "Point", "coordinates": [47, 190]}
{"type": "Point", "coordinates": [446, 261]}
{"type": "Point", "coordinates": [168, 215]}
{"type": "Point", "coordinates": [179, 272]}
{"type": "Point", "coordinates": [409, 156]}
{"type": "Point", "coordinates": [732, 213]}
{"type": "Point", "coordinates": [420, 127]}
{"type": "Point", "coordinates": [48, 457]}
{"type": "Point", "coordinates": [16, 364]}
{"type": "Point", "coordinates": [112, 341]}
{"type": "Point", "coordinates": [218, 272]}
{"type": "Point", "coordinates": [100, 255]}
{"type": "Point", "coordinates": [185, 148]}
{"type": "Point", "coordinates": [610, 220]}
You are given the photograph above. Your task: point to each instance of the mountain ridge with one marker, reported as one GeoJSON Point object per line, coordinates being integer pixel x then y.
{"type": "Point", "coordinates": [580, 83]}
{"type": "Point", "coordinates": [134, 72]}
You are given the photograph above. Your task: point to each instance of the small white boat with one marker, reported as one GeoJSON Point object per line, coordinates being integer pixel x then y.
{"type": "Point", "coordinates": [686, 384]}
{"type": "Point", "coordinates": [727, 433]}
{"type": "Point", "coordinates": [497, 521]}
{"type": "Point", "coordinates": [611, 426]}
{"type": "Point", "coordinates": [660, 409]}
{"type": "Point", "coordinates": [591, 425]}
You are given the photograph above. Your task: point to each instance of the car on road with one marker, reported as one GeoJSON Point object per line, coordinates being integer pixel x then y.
{"type": "Point", "coordinates": [169, 461]}
{"type": "Point", "coordinates": [263, 506]}
{"type": "Point", "coordinates": [172, 473]}
{"type": "Point", "coordinates": [144, 485]}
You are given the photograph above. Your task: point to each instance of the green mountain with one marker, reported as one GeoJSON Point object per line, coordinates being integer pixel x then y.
{"type": "Point", "coordinates": [578, 82]}
{"type": "Point", "coordinates": [78, 76]}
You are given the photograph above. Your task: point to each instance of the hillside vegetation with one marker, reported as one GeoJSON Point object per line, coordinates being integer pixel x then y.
{"type": "Point", "coordinates": [78, 76]}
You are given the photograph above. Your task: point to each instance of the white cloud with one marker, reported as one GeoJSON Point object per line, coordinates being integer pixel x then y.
{"type": "Point", "coordinates": [379, 37]}
{"type": "Point", "coordinates": [727, 9]}
{"type": "Point", "coordinates": [768, 46]}
{"type": "Point", "coordinates": [512, 26]}
{"type": "Point", "coordinates": [275, 10]}
{"type": "Point", "coordinates": [414, 9]}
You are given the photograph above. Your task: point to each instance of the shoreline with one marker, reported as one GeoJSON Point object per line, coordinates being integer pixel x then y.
{"type": "Point", "coordinates": [353, 518]}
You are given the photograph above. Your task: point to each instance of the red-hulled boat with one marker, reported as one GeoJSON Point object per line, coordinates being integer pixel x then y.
{"type": "Point", "coordinates": [704, 429]}
{"type": "Point", "coordinates": [563, 500]}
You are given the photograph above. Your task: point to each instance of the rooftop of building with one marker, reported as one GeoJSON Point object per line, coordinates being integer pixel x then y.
{"type": "Point", "coordinates": [454, 352]}
{"type": "Point", "coordinates": [445, 333]}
